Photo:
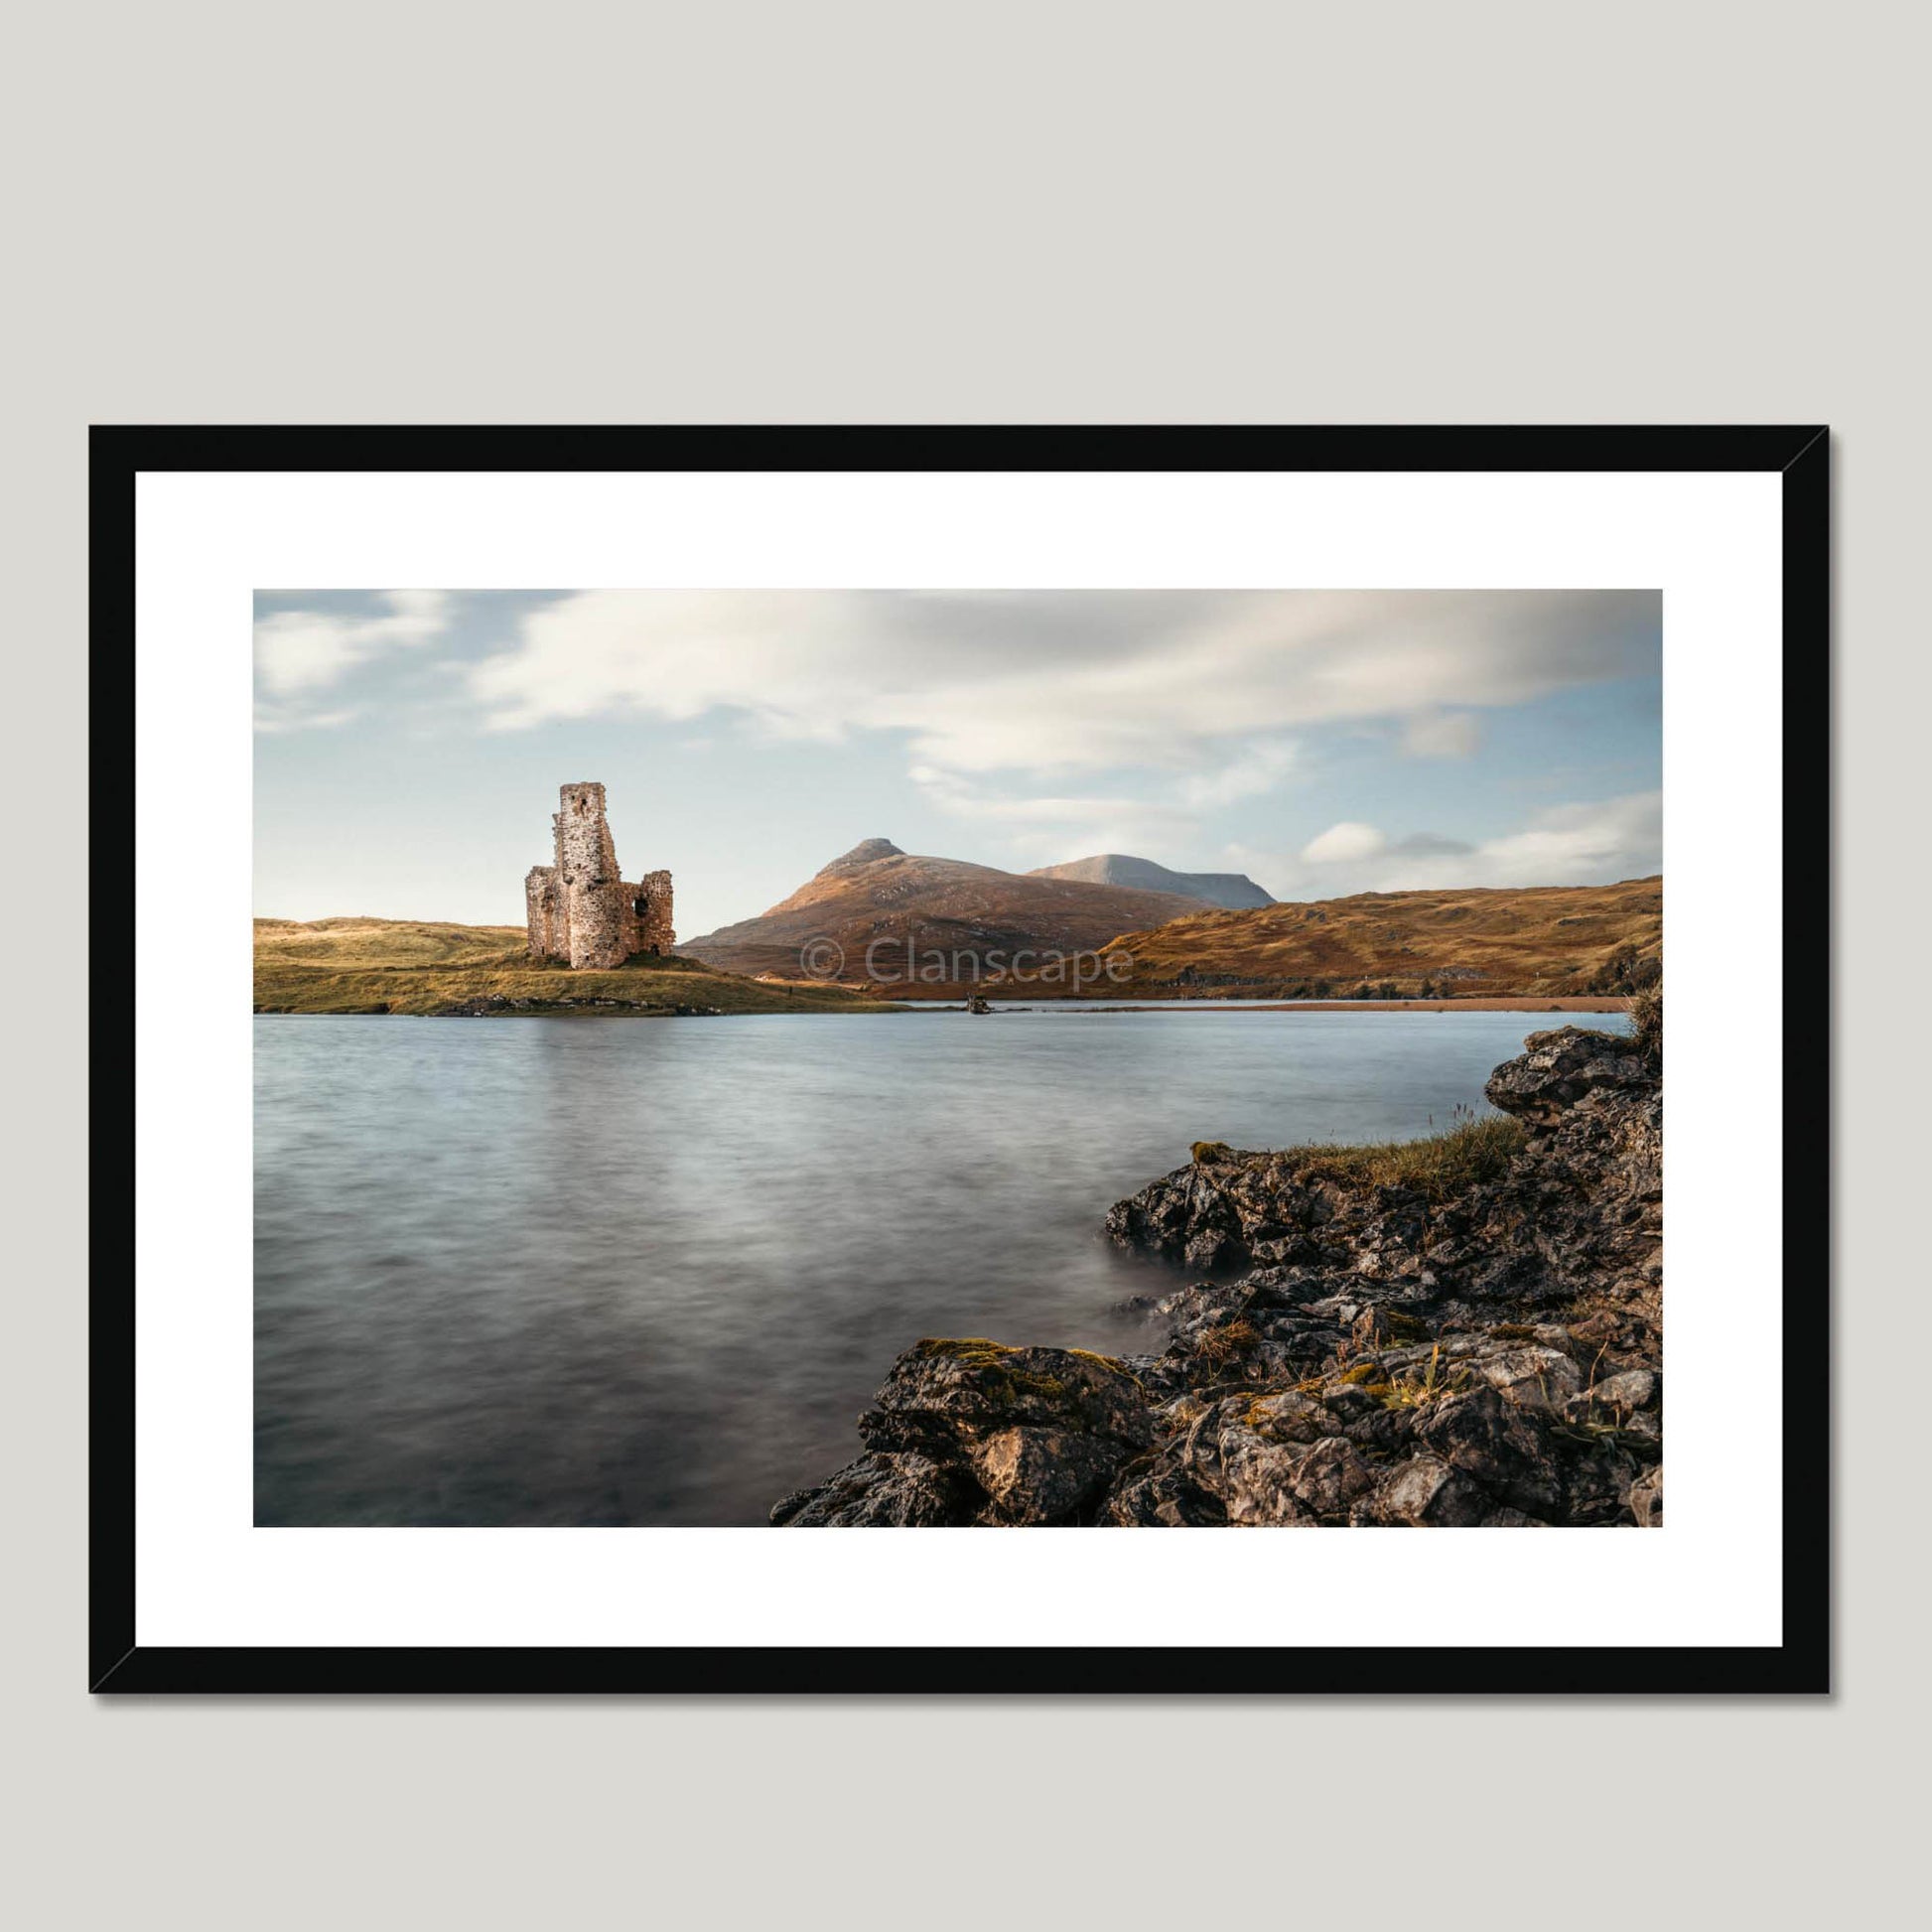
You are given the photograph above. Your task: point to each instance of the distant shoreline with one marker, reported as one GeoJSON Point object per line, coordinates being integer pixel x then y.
{"type": "Point", "coordinates": [386, 966]}
{"type": "Point", "coordinates": [1483, 1003]}
{"type": "Point", "coordinates": [607, 1009]}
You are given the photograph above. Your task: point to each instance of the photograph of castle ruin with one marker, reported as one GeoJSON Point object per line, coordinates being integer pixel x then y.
{"type": "Point", "coordinates": [1119, 1058]}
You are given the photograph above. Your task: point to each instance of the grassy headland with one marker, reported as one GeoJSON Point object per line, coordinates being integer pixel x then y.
{"type": "Point", "coordinates": [412, 966]}
{"type": "Point", "coordinates": [1472, 1149]}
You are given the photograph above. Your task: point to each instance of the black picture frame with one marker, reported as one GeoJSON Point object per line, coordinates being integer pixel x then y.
{"type": "Point", "coordinates": [1801, 1663]}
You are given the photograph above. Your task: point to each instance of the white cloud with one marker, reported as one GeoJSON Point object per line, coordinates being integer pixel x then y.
{"type": "Point", "coordinates": [998, 681]}
{"type": "Point", "coordinates": [1592, 844]}
{"type": "Point", "coordinates": [1342, 844]}
{"type": "Point", "coordinates": [1442, 735]}
{"type": "Point", "coordinates": [299, 654]}
{"type": "Point", "coordinates": [1065, 826]}
{"type": "Point", "coordinates": [270, 719]}
{"type": "Point", "coordinates": [1048, 828]}
{"type": "Point", "coordinates": [1245, 774]}
{"type": "Point", "coordinates": [1430, 842]}
{"type": "Point", "coordinates": [1621, 838]}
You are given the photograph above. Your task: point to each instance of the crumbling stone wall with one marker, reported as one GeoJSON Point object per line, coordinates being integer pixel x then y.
{"type": "Point", "coordinates": [544, 911]}
{"type": "Point", "coordinates": [650, 901]}
{"type": "Point", "coordinates": [580, 909]}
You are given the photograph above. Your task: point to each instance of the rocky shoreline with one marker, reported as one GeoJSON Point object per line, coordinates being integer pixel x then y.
{"type": "Point", "coordinates": [1467, 1332]}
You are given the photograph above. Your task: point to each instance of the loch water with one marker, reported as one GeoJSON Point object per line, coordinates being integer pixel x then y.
{"type": "Point", "coordinates": [641, 1272]}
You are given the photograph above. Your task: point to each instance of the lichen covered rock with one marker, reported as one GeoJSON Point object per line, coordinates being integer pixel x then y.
{"type": "Point", "coordinates": [970, 1431]}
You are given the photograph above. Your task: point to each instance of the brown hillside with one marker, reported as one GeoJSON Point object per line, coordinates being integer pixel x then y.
{"type": "Point", "coordinates": [878, 893]}
{"type": "Point", "coordinates": [1548, 939]}
{"type": "Point", "coordinates": [381, 942]}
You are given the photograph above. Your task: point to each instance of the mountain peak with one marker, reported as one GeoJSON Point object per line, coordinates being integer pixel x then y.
{"type": "Point", "coordinates": [1232, 889]}
{"type": "Point", "coordinates": [922, 903]}
{"type": "Point", "coordinates": [863, 854]}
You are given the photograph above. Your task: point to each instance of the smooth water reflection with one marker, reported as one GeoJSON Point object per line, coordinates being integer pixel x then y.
{"type": "Point", "coordinates": [647, 1272]}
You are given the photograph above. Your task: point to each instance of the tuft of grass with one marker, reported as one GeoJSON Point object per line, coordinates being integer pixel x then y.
{"type": "Point", "coordinates": [1472, 1149]}
{"type": "Point", "coordinates": [1219, 1346]}
{"type": "Point", "coordinates": [1211, 1151]}
{"type": "Point", "coordinates": [1646, 1010]}
{"type": "Point", "coordinates": [1418, 1391]}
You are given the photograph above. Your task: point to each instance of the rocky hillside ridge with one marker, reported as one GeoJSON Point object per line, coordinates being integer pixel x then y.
{"type": "Point", "coordinates": [1476, 1341]}
{"type": "Point", "coordinates": [1228, 890]}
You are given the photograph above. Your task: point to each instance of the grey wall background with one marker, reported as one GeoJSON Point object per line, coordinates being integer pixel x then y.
{"type": "Point", "coordinates": [1084, 213]}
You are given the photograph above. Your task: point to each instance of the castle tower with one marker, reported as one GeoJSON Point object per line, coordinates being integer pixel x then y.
{"type": "Point", "coordinates": [579, 908]}
{"type": "Point", "coordinates": [587, 870]}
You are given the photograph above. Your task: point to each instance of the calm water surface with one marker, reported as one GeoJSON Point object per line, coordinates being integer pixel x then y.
{"type": "Point", "coordinates": [648, 1271]}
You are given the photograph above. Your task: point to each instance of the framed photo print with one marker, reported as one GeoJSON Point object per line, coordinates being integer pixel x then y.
{"type": "Point", "coordinates": [694, 988]}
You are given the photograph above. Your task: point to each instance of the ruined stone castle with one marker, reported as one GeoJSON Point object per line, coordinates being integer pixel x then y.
{"type": "Point", "coordinates": [580, 910]}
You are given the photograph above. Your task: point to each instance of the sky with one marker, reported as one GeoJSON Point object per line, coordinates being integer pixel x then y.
{"type": "Point", "coordinates": [411, 742]}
